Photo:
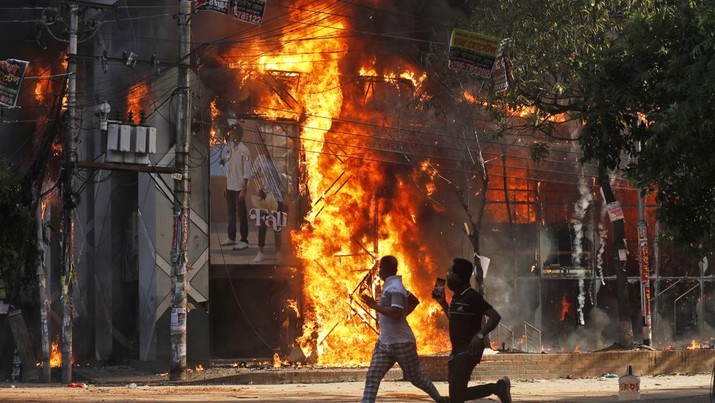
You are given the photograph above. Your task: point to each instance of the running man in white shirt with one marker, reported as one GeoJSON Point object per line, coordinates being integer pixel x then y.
{"type": "Point", "coordinates": [396, 342]}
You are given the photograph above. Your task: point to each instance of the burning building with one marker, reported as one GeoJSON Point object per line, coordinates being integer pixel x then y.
{"type": "Point", "coordinates": [369, 152]}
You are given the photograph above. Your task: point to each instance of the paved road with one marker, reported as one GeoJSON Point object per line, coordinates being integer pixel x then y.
{"type": "Point", "coordinates": [681, 389]}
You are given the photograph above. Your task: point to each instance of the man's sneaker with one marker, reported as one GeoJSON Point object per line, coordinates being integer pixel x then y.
{"type": "Point", "coordinates": [227, 242]}
{"type": "Point", "coordinates": [258, 258]}
{"type": "Point", "coordinates": [504, 390]}
{"type": "Point", "coordinates": [241, 245]}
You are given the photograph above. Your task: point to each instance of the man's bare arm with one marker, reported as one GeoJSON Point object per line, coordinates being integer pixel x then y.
{"type": "Point", "coordinates": [492, 322]}
{"type": "Point", "coordinates": [390, 311]}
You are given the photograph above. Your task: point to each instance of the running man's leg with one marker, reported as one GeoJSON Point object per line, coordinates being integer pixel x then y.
{"type": "Point", "coordinates": [406, 354]}
{"type": "Point", "coordinates": [382, 361]}
{"type": "Point", "coordinates": [460, 369]}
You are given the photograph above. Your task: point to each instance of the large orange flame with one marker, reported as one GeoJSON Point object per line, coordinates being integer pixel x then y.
{"type": "Point", "coordinates": [55, 353]}
{"type": "Point", "coordinates": [136, 98]}
{"type": "Point", "coordinates": [360, 210]}
{"type": "Point", "coordinates": [565, 307]}
{"type": "Point", "coordinates": [42, 87]}
{"type": "Point", "coordinates": [213, 138]}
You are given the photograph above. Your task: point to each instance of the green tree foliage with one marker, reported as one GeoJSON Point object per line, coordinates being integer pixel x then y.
{"type": "Point", "coordinates": [553, 46]}
{"type": "Point", "coordinates": [655, 85]}
{"type": "Point", "coordinates": [16, 237]}
{"type": "Point", "coordinates": [611, 64]}
{"type": "Point", "coordinates": [550, 44]}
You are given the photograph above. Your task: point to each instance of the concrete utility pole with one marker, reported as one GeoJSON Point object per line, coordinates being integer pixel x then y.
{"type": "Point", "coordinates": [46, 374]}
{"type": "Point", "coordinates": [182, 192]}
{"type": "Point", "coordinates": [644, 271]}
{"type": "Point", "coordinates": [69, 199]}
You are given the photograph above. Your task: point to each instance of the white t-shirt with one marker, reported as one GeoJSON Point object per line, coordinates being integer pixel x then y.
{"type": "Point", "coordinates": [238, 166]}
{"type": "Point", "coordinates": [394, 330]}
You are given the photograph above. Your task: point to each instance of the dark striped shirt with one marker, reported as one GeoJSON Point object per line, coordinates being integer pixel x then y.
{"type": "Point", "coordinates": [465, 318]}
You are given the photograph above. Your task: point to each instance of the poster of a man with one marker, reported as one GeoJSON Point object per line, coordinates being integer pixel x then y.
{"type": "Point", "coordinates": [257, 230]}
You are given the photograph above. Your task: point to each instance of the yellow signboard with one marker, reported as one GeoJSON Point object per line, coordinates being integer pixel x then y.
{"type": "Point", "coordinates": [473, 52]}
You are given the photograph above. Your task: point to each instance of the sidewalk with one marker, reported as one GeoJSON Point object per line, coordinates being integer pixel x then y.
{"type": "Point", "coordinates": [680, 388]}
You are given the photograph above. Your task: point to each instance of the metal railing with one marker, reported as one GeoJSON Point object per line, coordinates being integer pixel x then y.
{"type": "Point", "coordinates": [503, 335]}
{"type": "Point", "coordinates": [675, 307]}
{"type": "Point", "coordinates": [532, 338]}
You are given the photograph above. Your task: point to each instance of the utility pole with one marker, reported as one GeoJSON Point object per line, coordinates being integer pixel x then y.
{"type": "Point", "coordinates": [46, 374]}
{"type": "Point", "coordinates": [644, 270]}
{"type": "Point", "coordinates": [69, 199]}
{"type": "Point", "coordinates": [182, 192]}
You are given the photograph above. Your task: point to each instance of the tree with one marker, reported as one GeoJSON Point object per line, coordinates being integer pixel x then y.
{"type": "Point", "coordinates": [655, 86]}
{"type": "Point", "coordinates": [553, 46]}
{"type": "Point", "coordinates": [16, 240]}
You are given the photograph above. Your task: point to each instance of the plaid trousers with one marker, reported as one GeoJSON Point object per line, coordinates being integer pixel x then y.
{"type": "Point", "coordinates": [384, 357]}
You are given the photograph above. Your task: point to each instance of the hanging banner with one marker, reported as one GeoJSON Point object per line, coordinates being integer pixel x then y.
{"type": "Point", "coordinates": [472, 52]}
{"type": "Point", "coordinates": [250, 11]}
{"type": "Point", "coordinates": [499, 77]}
{"type": "Point", "coordinates": [12, 72]}
{"type": "Point", "coordinates": [219, 6]}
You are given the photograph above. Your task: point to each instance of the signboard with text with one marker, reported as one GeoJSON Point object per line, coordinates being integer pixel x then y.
{"type": "Point", "coordinates": [473, 52]}
{"type": "Point", "coordinates": [499, 77]}
{"type": "Point", "coordinates": [250, 11]}
{"type": "Point", "coordinates": [219, 6]}
{"type": "Point", "coordinates": [12, 72]}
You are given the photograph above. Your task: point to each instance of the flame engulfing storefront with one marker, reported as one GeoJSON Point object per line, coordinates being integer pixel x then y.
{"type": "Point", "coordinates": [370, 147]}
{"type": "Point", "coordinates": [388, 161]}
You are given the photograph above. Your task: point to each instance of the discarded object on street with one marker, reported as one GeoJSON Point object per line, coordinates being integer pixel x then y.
{"type": "Point", "coordinates": [629, 386]}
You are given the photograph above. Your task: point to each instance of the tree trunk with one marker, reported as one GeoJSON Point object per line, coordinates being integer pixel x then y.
{"type": "Point", "coordinates": [619, 253]}
{"type": "Point", "coordinates": [476, 225]}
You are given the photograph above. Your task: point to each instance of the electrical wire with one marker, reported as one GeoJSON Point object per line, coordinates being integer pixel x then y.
{"type": "Point", "coordinates": [339, 145]}
{"type": "Point", "coordinates": [238, 302]}
{"type": "Point", "coordinates": [712, 385]}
